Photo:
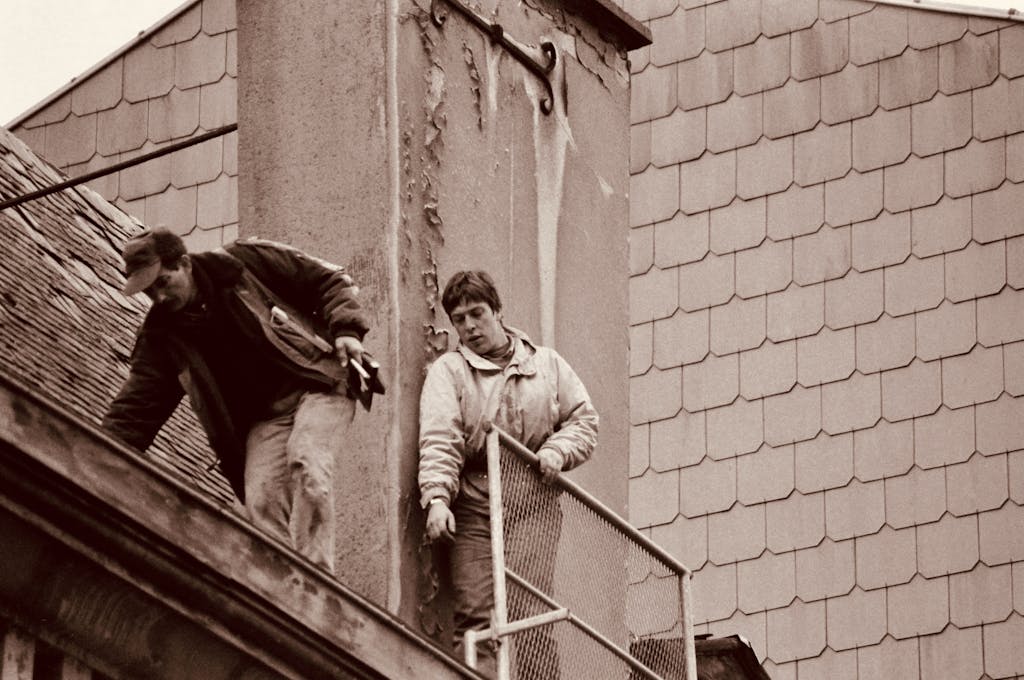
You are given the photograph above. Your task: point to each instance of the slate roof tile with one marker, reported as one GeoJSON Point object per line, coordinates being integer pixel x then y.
{"type": "Point", "coordinates": [1013, 369]}
{"type": "Point", "coordinates": [785, 16]}
{"type": "Point", "coordinates": [928, 29]}
{"type": "Point", "coordinates": [232, 56]}
{"type": "Point", "coordinates": [681, 338]}
{"type": "Point", "coordinates": [825, 462]}
{"type": "Point", "coordinates": [915, 183]}
{"type": "Point", "coordinates": [765, 475]}
{"type": "Point", "coordinates": [822, 154]}
{"type": "Point", "coordinates": [1001, 534]}
{"type": "Point", "coordinates": [640, 58]}
{"type": "Point", "coordinates": [881, 139]}
{"type": "Point", "coordinates": [654, 195]}
{"type": "Point", "coordinates": [1011, 51]}
{"type": "Point", "coordinates": [764, 168]}
{"type": "Point", "coordinates": [732, 24]}
{"type": "Point", "coordinates": [640, 146]}
{"type": "Point", "coordinates": [734, 122]}
{"type": "Point", "coordinates": [941, 123]}
{"type": "Point", "coordinates": [767, 370]}
{"type": "Point", "coordinates": [914, 285]}
{"type": "Point", "coordinates": [641, 348]}
{"type": "Point", "coordinates": [795, 522]}
{"type": "Point", "coordinates": [977, 167]}
{"type": "Point", "coordinates": [174, 115]}
{"type": "Point", "coordinates": [761, 65]}
{"type": "Point", "coordinates": [1018, 586]}
{"type": "Point", "coordinates": [821, 49]}
{"type": "Point", "coordinates": [891, 658]}
{"type": "Point", "coordinates": [102, 90]}
{"type": "Point", "coordinates": [106, 186]}
{"type": "Point", "coordinates": [218, 103]}
{"type": "Point", "coordinates": [768, 268]}
{"type": "Point", "coordinates": [833, 10]}
{"type": "Point", "coordinates": [708, 282]}
{"type": "Point", "coordinates": [968, 63]}
{"type": "Point", "coordinates": [148, 72]}
{"type": "Point", "coordinates": [1001, 317]}
{"type": "Point", "coordinates": [681, 240]}
{"type": "Point", "coordinates": [997, 109]}
{"type": "Point", "coordinates": [909, 78]}
{"type": "Point", "coordinates": [641, 249]}
{"type": "Point", "coordinates": [196, 164]}
{"type": "Point", "coordinates": [796, 211]}
{"type": "Point", "coordinates": [953, 653]}
{"type": "Point", "coordinates": [793, 416]}
{"type": "Point", "coordinates": [148, 178]}
{"type": "Point", "coordinates": [750, 627]}
{"type": "Point", "coordinates": [218, 16]}
{"type": "Point", "coordinates": [685, 539]}
{"type": "Point", "coordinates": [979, 25]}
{"type": "Point", "coordinates": [173, 208]}
{"type": "Point", "coordinates": [945, 331]}
{"type": "Point", "coordinates": [885, 450]}
{"type": "Point", "coordinates": [123, 128]}
{"type": "Point", "coordinates": [915, 498]}
{"type": "Point", "coordinates": [881, 33]}
{"type": "Point", "coordinates": [739, 225]}
{"type": "Point", "coordinates": [654, 497]}
{"type": "Point", "coordinates": [830, 665]}
{"type": "Point", "coordinates": [825, 357]}
{"type": "Point", "coordinates": [948, 546]}
{"type": "Point", "coordinates": [857, 509]}
{"type": "Point", "coordinates": [856, 620]}
{"type": "Point", "coordinates": [796, 632]}
{"type": "Point", "coordinates": [767, 582]}
{"type": "Point", "coordinates": [795, 312]}
{"type": "Point", "coordinates": [821, 256]}
{"type": "Point", "coordinates": [825, 570]}
{"type": "Point", "coordinates": [738, 325]}
{"type": "Point", "coordinates": [655, 395]}
{"type": "Point", "coordinates": [184, 27]}
{"type": "Point", "coordinates": [201, 60]}
{"type": "Point", "coordinates": [703, 80]}
{"type": "Point", "coordinates": [708, 182]}
{"type": "Point", "coordinates": [1002, 648]}
{"type": "Point", "coordinates": [915, 390]}
{"type": "Point", "coordinates": [794, 107]}
{"type": "Point", "coordinates": [853, 198]}
{"type": "Point", "coordinates": [681, 137]}
{"type": "Point", "coordinates": [996, 213]}
{"type": "Point", "coordinates": [977, 485]}
{"type": "Point", "coordinates": [1000, 425]}
{"type": "Point", "coordinates": [885, 344]}
{"type": "Point", "coordinates": [979, 596]}
{"type": "Point", "coordinates": [677, 36]}
{"type": "Point", "coordinates": [972, 378]}
{"type": "Point", "coordinates": [944, 438]}
{"type": "Point", "coordinates": [639, 449]}
{"type": "Point", "coordinates": [1015, 158]}
{"type": "Point", "coordinates": [918, 608]}
{"type": "Point", "coordinates": [887, 558]}
{"type": "Point", "coordinates": [854, 299]}
{"type": "Point", "coordinates": [941, 228]}
{"type": "Point", "coordinates": [735, 429]}
{"type": "Point", "coordinates": [653, 295]}
{"type": "Point", "coordinates": [54, 113]}
{"type": "Point", "coordinates": [714, 589]}
{"type": "Point", "coordinates": [738, 534]}
{"type": "Point", "coordinates": [653, 93]}
{"type": "Point", "coordinates": [678, 441]}
{"type": "Point", "coordinates": [708, 487]}
{"type": "Point", "coordinates": [71, 141]}
{"type": "Point", "coordinates": [712, 382]}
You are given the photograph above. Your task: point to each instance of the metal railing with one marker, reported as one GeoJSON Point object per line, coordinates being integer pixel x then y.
{"type": "Point", "coordinates": [578, 592]}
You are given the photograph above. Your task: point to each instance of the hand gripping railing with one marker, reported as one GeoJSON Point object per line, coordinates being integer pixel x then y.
{"type": "Point", "coordinates": [578, 592]}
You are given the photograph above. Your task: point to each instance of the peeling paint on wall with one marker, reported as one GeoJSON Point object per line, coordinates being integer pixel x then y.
{"type": "Point", "coordinates": [474, 79]}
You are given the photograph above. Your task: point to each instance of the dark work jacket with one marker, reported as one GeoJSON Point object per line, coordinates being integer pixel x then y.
{"type": "Point", "coordinates": [244, 281]}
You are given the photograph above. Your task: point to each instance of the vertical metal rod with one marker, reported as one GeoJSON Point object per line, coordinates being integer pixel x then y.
{"type": "Point", "coordinates": [686, 607]}
{"type": "Point", "coordinates": [497, 548]}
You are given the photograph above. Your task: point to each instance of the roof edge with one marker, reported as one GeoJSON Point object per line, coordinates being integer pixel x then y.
{"type": "Point", "coordinates": [608, 15]}
{"type": "Point", "coordinates": [1011, 14]}
{"type": "Point", "coordinates": [98, 66]}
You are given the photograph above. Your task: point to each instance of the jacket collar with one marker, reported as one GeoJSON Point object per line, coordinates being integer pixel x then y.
{"type": "Point", "coordinates": [212, 271]}
{"type": "Point", "coordinates": [522, 357]}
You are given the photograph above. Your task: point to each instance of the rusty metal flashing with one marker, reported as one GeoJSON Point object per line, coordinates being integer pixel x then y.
{"type": "Point", "coordinates": [1009, 14]}
{"type": "Point", "coordinates": [181, 564]}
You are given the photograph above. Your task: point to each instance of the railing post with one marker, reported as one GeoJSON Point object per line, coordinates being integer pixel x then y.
{"type": "Point", "coordinates": [686, 607]}
{"type": "Point", "coordinates": [497, 549]}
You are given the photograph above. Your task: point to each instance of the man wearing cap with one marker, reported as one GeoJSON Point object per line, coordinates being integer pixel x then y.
{"type": "Point", "coordinates": [241, 330]}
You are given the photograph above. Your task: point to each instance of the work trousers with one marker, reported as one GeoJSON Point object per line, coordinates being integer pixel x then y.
{"type": "Point", "coordinates": [289, 466]}
{"type": "Point", "coordinates": [531, 546]}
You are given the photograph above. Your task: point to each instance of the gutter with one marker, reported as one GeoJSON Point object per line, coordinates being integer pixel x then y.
{"type": "Point", "coordinates": [1008, 14]}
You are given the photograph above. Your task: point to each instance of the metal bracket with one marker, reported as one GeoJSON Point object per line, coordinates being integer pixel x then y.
{"type": "Point", "coordinates": [497, 34]}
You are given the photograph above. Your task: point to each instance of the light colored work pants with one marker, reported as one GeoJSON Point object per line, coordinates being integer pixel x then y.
{"type": "Point", "coordinates": [289, 465]}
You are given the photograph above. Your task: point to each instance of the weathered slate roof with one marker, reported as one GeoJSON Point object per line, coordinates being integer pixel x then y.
{"type": "Point", "coordinates": [66, 329]}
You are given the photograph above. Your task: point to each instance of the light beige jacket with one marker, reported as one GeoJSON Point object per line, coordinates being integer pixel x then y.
{"type": "Point", "coordinates": [537, 398]}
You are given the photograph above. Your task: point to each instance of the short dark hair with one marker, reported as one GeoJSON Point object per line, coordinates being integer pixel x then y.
{"type": "Point", "coordinates": [470, 286]}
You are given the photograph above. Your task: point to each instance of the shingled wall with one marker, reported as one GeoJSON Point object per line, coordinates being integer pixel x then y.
{"type": "Point", "coordinates": [827, 366]}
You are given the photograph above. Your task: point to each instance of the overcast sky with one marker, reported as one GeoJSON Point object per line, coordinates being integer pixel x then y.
{"type": "Point", "coordinates": [46, 43]}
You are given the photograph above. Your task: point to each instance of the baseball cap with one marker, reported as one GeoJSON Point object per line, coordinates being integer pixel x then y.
{"type": "Point", "coordinates": [145, 253]}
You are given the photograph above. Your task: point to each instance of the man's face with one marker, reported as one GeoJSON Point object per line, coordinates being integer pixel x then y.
{"type": "Point", "coordinates": [173, 288]}
{"type": "Point", "coordinates": [478, 326]}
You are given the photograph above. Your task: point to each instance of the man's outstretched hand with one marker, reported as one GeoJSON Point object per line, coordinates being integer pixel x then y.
{"type": "Point", "coordinates": [348, 348]}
